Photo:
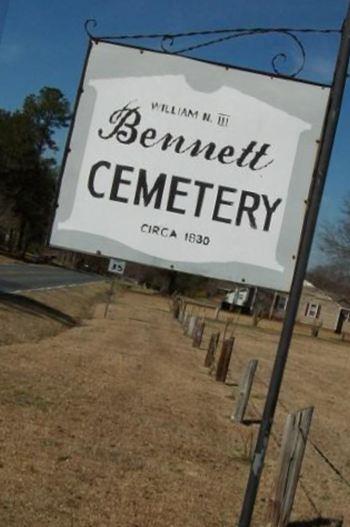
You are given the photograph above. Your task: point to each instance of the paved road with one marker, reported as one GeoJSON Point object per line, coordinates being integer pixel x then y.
{"type": "Point", "coordinates": [23, 277]}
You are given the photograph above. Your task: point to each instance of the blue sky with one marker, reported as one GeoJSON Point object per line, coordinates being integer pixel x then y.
{"type": "Point", "coordinates": [43, 43]}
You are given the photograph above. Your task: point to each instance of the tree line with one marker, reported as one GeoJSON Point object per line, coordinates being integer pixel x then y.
{"type": "Point", "coordinates": [28, 168]}
{"type": "Point", "coordinates": [334, 242]}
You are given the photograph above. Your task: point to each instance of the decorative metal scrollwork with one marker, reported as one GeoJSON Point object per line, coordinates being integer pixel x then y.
{"type": "Point", "coordinates": [90, 22]}
{"type": "Point", "coordinates": [166, 44]}
{"type": "Point", "coordinates": [167, 40]}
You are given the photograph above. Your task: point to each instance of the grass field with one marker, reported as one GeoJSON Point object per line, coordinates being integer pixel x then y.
{"type": "Point", "coordinates": [116, 422]}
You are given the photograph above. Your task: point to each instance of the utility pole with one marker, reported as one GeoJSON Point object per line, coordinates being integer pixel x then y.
{"type": "Point", "coordinates": [321, 167]}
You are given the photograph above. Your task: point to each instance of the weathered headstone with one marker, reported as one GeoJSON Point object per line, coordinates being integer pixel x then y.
{"type": "Point", "coordinates": [224, 360]}
{"type": "Point", "coordinates": [191, 326]}
{"type": "Point", "coordinates": [292, 452]}
{"type": "Point", "coordinates": [213, 344]}
{"type": "Point", "coordinates": [245, 387]}
{"type": "Point", "coordinates": [198, 333]}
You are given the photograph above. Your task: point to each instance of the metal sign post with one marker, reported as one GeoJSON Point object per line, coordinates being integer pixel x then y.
{"type": "Point", "coordinates": [299, 274]}
{"type": "Point", "coordinates": [110, 296]}
{"type": "Point", "coordinates": [116, 267]}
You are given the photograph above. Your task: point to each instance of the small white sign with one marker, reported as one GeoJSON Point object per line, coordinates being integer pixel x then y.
{"type": "Point", "coordinates": [116, 266]}
{"type": "Point", "coordinates": [189, 166]}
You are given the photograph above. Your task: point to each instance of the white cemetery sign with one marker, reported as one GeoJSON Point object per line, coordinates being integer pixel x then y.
{"type": "Point", "coordinates": [196, 167]}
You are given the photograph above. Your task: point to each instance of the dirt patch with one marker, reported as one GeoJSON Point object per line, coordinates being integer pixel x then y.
{"type": "Point", "coordinates": [117, 423]}
{"type": "Point", "coordinates": [36, 315]}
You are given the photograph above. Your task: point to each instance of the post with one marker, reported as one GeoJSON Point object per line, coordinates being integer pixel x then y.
{"type": "Point", "coordinates": [292, 452]}
{"type": "Point", "coordinates": [227, 323]}
{"type": "Point", "coordinates": [315, 328]}
{"type": "Point", "coordinates": [245, 387]}
{"type": "Point", "coordinates": [224, 360]}
{"type": "Point", "coordinates": [198, 334]}
{"type": "Point", "coordinates": [183, 310]}
{"type": "Point", "coordinates": [110, 294]}
{"type": "Point", "coordinates": [213, 344]}
{"type": "Point", "coordinates": [315, 196]}
{"type": "Point", "coordinates": [273, 304]}
{"type": "Point", "coordinates": [185, 322]}
{"type": "Point", "coordinates": [176, 307]}
{"type": "Point", "coordinates": [191, 325]}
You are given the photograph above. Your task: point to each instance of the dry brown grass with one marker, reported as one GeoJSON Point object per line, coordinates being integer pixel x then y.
{"type": "Point", "coordinates": [7, 260]}
{"type": "Point", "coordinates": [117, 423]}
{"type": "Point", "coordinates": [22, 321]}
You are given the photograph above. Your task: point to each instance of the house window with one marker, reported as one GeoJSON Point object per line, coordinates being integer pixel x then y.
{"type": "Point", "coordinates": [312, 310]}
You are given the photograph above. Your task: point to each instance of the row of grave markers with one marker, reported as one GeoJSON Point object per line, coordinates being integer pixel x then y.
{"type": "Point", "coordinates": [297, 424]}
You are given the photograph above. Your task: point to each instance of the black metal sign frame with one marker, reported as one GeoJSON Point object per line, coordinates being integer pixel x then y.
{"type": "Point", "coordinates": [167, 45]}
